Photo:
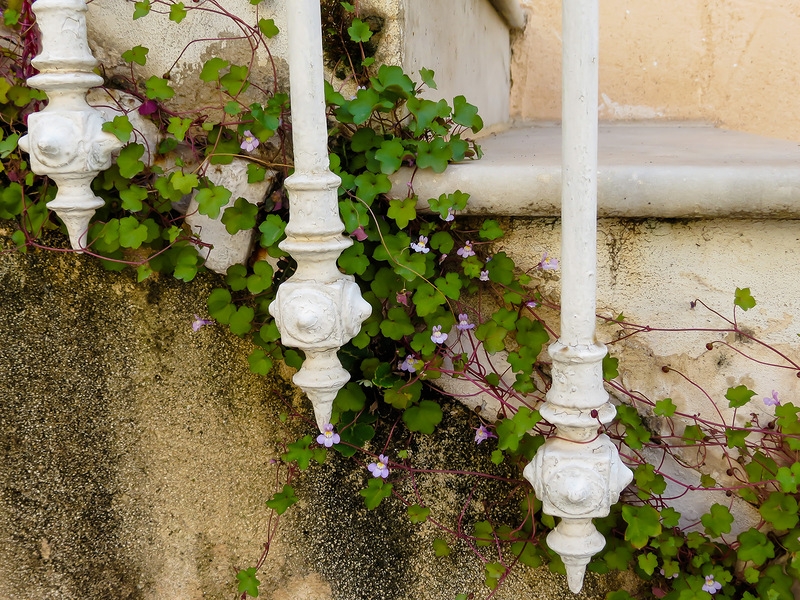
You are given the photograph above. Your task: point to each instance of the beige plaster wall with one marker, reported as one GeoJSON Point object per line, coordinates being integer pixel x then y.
{"type": "Point", "coordinates": [731, 62]}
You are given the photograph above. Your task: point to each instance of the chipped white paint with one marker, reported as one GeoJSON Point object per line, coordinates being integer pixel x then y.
{"type": "Point", "coordinates": [318, 309]}
{"type": "Point", "coordinates": [65, 140]}
{"type": "Point", "coordinates": [577, 473]}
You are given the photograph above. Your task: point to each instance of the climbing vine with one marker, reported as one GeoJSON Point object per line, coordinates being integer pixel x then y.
{"type": "Point", "coordinates": [446, 301]}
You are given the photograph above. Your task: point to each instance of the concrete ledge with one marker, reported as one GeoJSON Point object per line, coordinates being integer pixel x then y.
{"type": "Point", "coordinates": [662, 170]}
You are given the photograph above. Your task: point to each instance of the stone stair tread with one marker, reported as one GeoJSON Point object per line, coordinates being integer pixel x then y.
{"type": "Point", "coordinates": [645, 169]}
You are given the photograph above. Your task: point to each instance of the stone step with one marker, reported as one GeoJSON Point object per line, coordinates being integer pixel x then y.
{"type": "Point", "coordinates": [652, 169]}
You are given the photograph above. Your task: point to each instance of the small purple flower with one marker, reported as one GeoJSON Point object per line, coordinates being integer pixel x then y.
{"type": "Point", "coordinates": [466, 251]}
{"type": "Point", "coordinates": [463, 323]}
{"type": "Point", "coordinates": [199, 323]}
{"type": "Point", "coordinates": [773, 401]}
{"type": "Point", "coordinates": [450, 215]}
{"type": "Point", "coordinates": [532, 304]}
{"type": "Point", "coordinates": [484, 275]}
{"type": "Point", "coordinates": [379, 468]}
{"type": "Point", "coordinates": [249, 141]}
{"type": "Point", "coordinates": [548, 264]}
{"type": "Point", "coordinates": [402, 298]}
{"type": "Point", "coordinates": [328, 437]}
{"type": "Point", "coordinates": [359, 234]}
{"type": "Point", "coordinates": [711, 586]}
{"type": "Point", "coordinates": [409, 364]}
{"type": "Point", "coordinates": [421, 245]}
{"type": "Point", "coordinates": [483, 433]}
{"type": "Point", "coordinates": [442, 257]}
{"type": "Point", "coordinates": [437, 337]}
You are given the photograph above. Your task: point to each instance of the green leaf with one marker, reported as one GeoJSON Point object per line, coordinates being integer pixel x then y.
{"type": "Point", "coordinates": [268, 28]}
{"type": "Point", "coordinates": [240, 217]}
{"type": "Point", "coordinates": [300, 452]}
{"type": "Point", "coordinates": [780, 510]}
{"type": "Point", "coordinates": [220, 305]}
{"type": "Point", "coordinates": [235, 80]}
{"type": "Point", "coordinates": [211, 199]}
{"type": "Point", "coordinates": [390, 155]}
{"type": "Point", "coordinates": [434, 155]}
{"type": "Point", "coordinates": [377, 489]}
{"type": "Point", "coordinates": [648, 481]}
{"type": "Point", "coordinates": [261, 278]}
{"type": "Point", "coordinates": [272, 230]}
{"type": "Point", "coordinates": [141, 9]}
{"type": "Point", "coordinates": [10, 17]}
{"type": "Point", "coordinates": [743, 299]}
{"type": "Point", "coordinates": [755, 546]}
{"type": "Point", "coordinates": [211, 69]}
{"type": "Point", "coordinates": [128, 160]}
{"type": "Point", "coordinates": [417, 513]}
{"type": "Point", "coordinates": [789, 478]}
{"type": "Point", "coordinates": [137, 54]}
{"type": "Point", "coordinates": [493, 572]}
{"type": "Point", "coordinates": [260, 363]}
{"type": "Point", "coordinates": [184, 182]}
{"type": "Point", "coordinates": [466, 114]}
{"type": "Point", "coordinates": [492, 335]}
{"type": "Point", "coordinates": [717, 521]}
{"type": "Point", "coordinates": [647, 562]}
{"type": "Point", "coordinates": [610, 367]}
{"type": "Point", "coordinates": [353, 260]}
{"type": "Point", "coordinates": [427, 77]}
{"type": "Point", "coordinates": [665, 408]}
{"type": "Point", "coordinates": [282, 500]}
{"type": "Point", "coordinates": [423, 417]}
{"type": "Point", "coordinates": [178, 127]}
{"type": "Point", "coordinates": [132, 234]}
{"type": "Point", "coordinates": [158, 88]}
{"type": "Point", "coordinates": [247, 577]}
{"type": "Point", "coordinates": [8, 145]}
{"type": "Point", "coordinates": [440, 547]}
{"type": "Point", "coordinates": [256, 173]}
{"type": "Point", "coordinates": [490, 230]}
{"type": "Point", "coordinates": [132, 197]}
{"type": "Point", "coordinates": [359, 31]}
{"type": "Point", "coordinates": [350, 398]}
{"type": "Point", "coordinates": [739, 396]}
{"type": "Point", "coordinates": [177, 12]}
{"type": "Point", "coordinates": [241, 322]}
{"type": "Point", "coordinates": [186, 263]}
{"type": "Point", "coordinates": [693, 434]}
{"type": "Point", "coordinates": [643, 523]}
{"type": "Point", "coordinates": [403, 211]}
{"type": "Point", "coordinates": [736, 438]}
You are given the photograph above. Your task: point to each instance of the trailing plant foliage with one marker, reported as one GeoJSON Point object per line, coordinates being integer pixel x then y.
{"type": "Point", "coordinates": [445, 301]}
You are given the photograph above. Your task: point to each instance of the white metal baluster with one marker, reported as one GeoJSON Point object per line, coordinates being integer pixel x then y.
{"type": "Point", "coordinates": [318, 309]}
{"type": "Point", "coordinates": [577, 473]}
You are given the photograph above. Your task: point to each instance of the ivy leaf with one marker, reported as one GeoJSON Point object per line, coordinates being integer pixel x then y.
{"type": "Point", "coordinates": [256, 173]}
{"type": "Point", "coordinates": [501, 269]}
{"type": "Point", "coordinates": [736, 438]}
{"type": "Point", "coordinates": [300, 452]}
{"type": "Point", "coordinates": [353, 260]}
{"type": "Point", "coordinates": [211, 199]}
{"type": "Point", "coordinates": [440, 547]}
{"type": "Point", "coordinates": [359, 31]}
{"type": "Point", "coordinates": [390, 155]}
{"type": "Point", "coordinates": [177, 12]}
{"type": "Point", "coordinates": [780, 510]}
{"type": "Point", "coordinates": [220, 305]}
{"type": "Point", "coordinates": [158, 88]}
{"type": "Point", "coordinates": [132, 197]}
{"type": "Point", "coordinates": [261, 278]}
{"type": "Point", "coordinates": [137, 54]}
{"type": "Point", "coordinates": [131, 233]}
{"type": "Point", "coordinates": [449, 285]}
{"type": "Point", "coordinates": [493, 572]}
{"type": "Point", "coordinates": [643, 523]}
{"type": "Point", "coordinates": [268, 28]}
{"type": "Point", "coordinates": [610, 367]}
{"type": "Point", "coordinates": [739, 396]}
{"type": "Point", "coordinates": [427, 77]}
{"type": "Point", "coordinates": [693, 434]}
{"type": "Point", "coordinates": [403, 211]}
{"type": "Point", "coordinates": [350, 398]}
{"type": "Point", "coordinates": [466, 114]}
{"type": "Point", "coordinates": [665, 408]}
{"type": "Point", "coordinates": [282, 500]}
{"type": "Point", "coordinates": [492, 335]}
{"type": "Point", "coordinates": [128, 160]}
{"type": "Point", "coordinates": [241, 321]}
{"type": "Point", "coordinates": [178, 127]}
{"type": "Point", "coordinates": [141, 9]}
{"type": "Point", "coordinates": [240, 217]}
{"type": "Point", "coordinates": [434, 155]}
{"type": "Point", "coordinates": [272, 230]}
{"type": "Point", "coordinates": [211, 69]}
{"type": "Point", "coordinates": [370, 185]}
{"type": "Point", "coordinates": [8, 145]}
{"type": "Point", "coordinates": [260, 363]}
{"type": "Point", "coordinates": [417, 513]}
{"type": "Point", "coordinates": [247, 578]}
{"type": "Point", "coordinates": [184, 182]}
{"type": "Point", "coordinates": [392, 78]}
{"type": "Point", "coordinates": [743, 299]}
{"type": "Point", "coordinates": [424, 417]}
{"type": "Point", "coordinates": [789, 478]}
{"type": "Point", "coordinates": [357, 435]}
{"type": "Point", "coordinates": [755, 546]}
{"type": "Point", "coordinates": [490, 230]}
{"type": "Point", "coordinates": [235, 80]}
{"type": "Point", "coordinates": [186, 263]}
{"type": "Point", "coordinates": [647, 562]}
{"type": "Point", "coordinates": [377, 489]}
{"type": "Point", "coordinates": [717, 521]}
{"type": "Point", "coordinates": [397, 324]}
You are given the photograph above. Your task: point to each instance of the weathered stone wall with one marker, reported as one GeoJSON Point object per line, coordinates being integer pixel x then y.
{"type": "Point", "coordinates": [136, 456]}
